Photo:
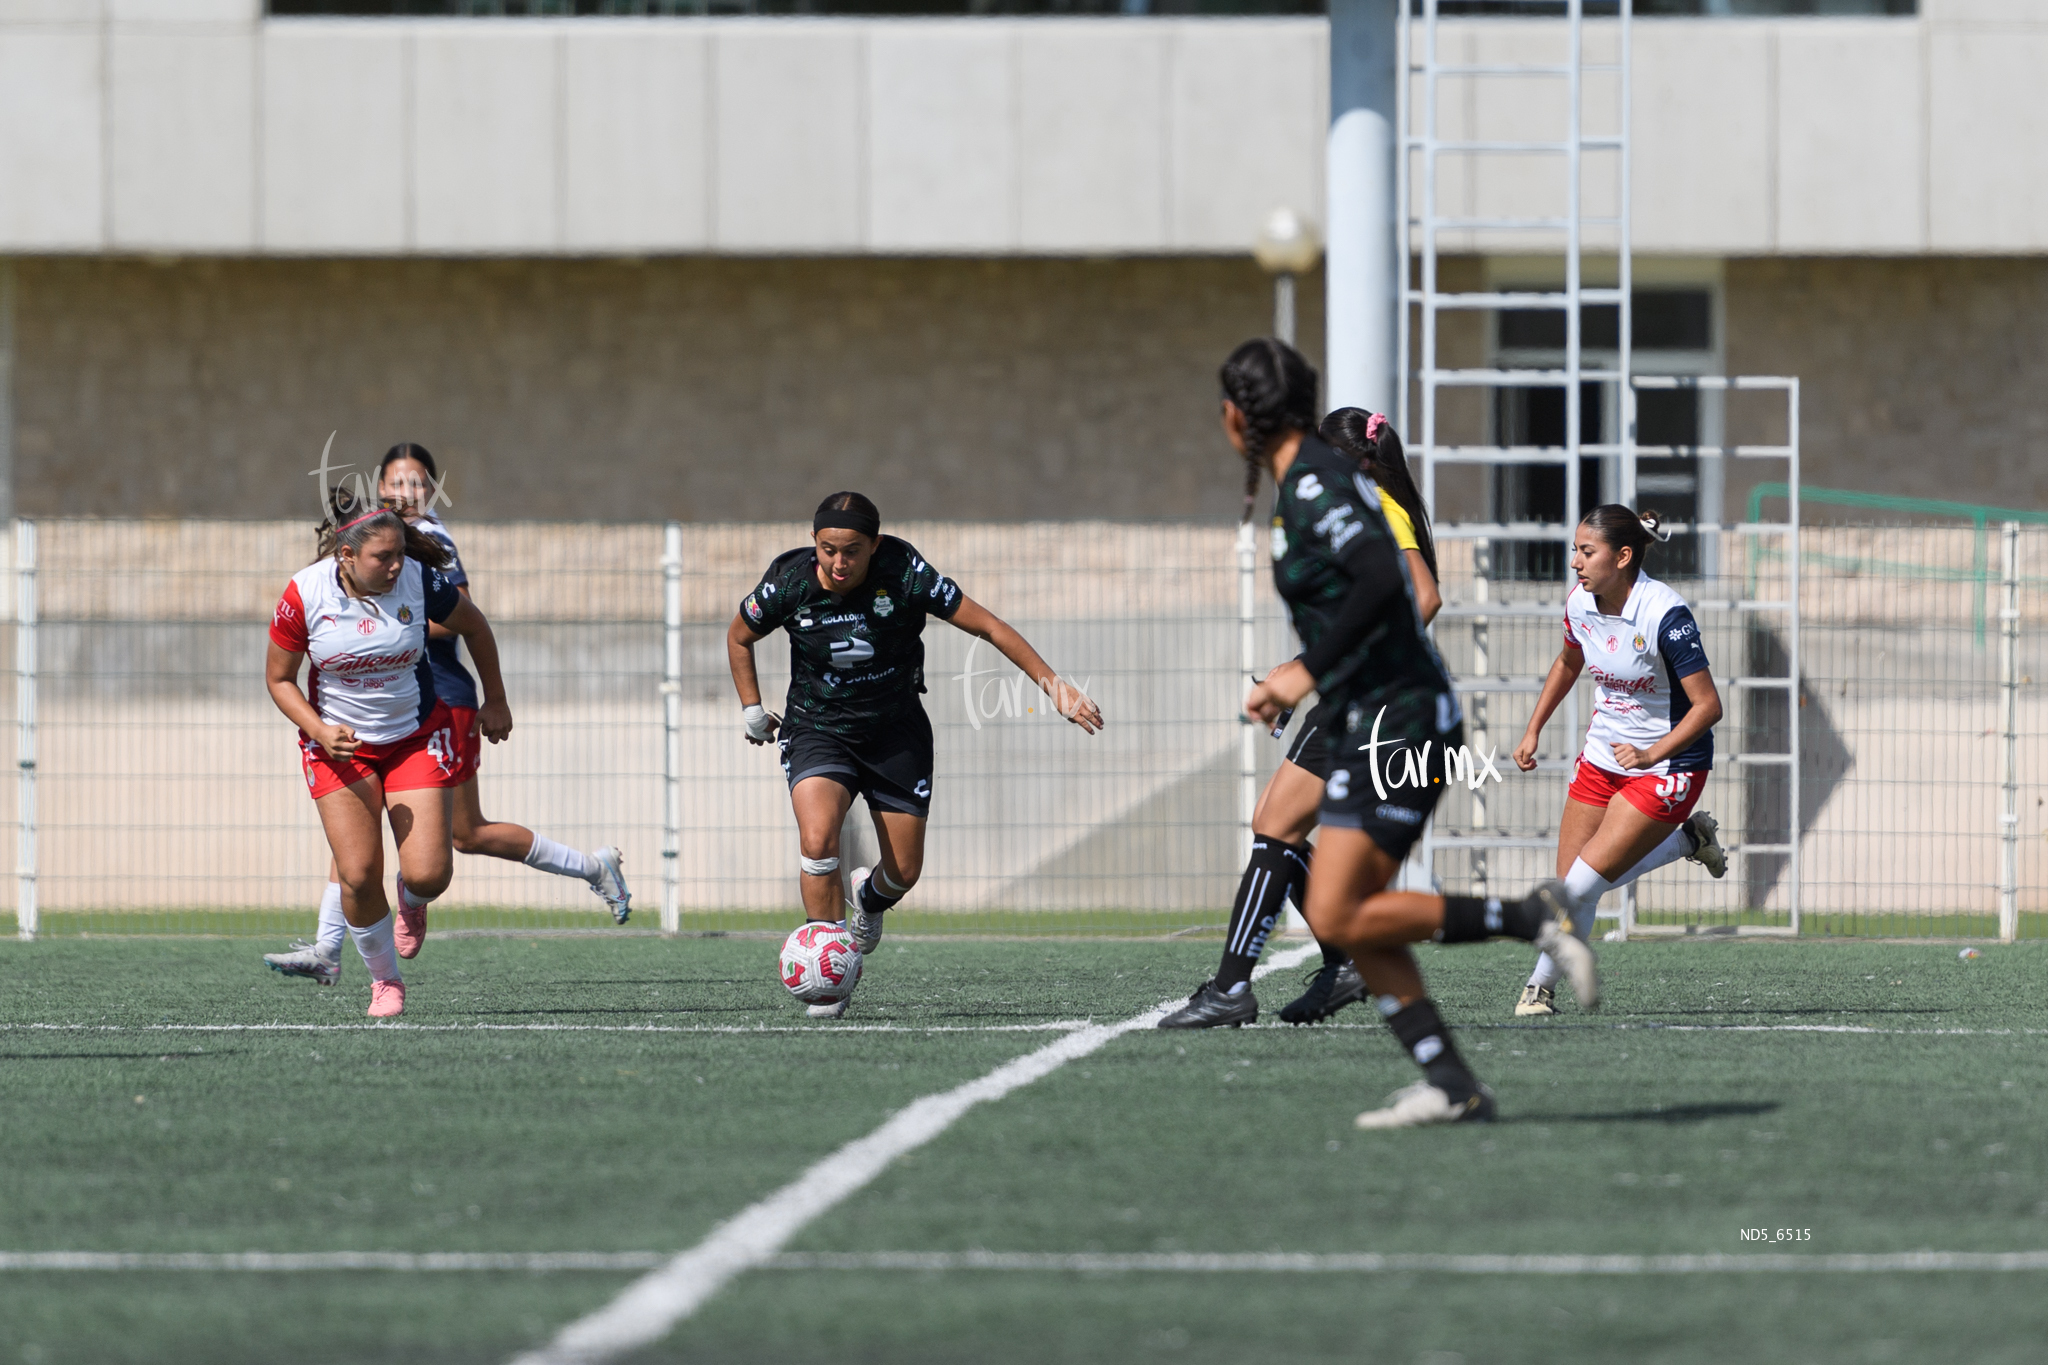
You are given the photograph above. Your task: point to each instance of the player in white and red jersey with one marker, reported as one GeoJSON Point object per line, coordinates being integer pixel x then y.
{"type": "Point", "coordinates": [408, 479]}
{"type": "Point", "coordinates": [1651, 741]}
{"type": "Point", "coordinates": [373, 737]}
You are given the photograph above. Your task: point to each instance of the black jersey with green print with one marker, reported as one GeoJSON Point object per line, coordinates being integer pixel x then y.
{"type": "Point", "coordinates": [1346, 583]}
{"type": "Point", "coordinates": [858, 659]}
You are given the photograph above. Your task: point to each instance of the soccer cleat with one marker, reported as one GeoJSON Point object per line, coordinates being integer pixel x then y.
{"type": "Point", "coordinates": [1335, 985]}
{"type": "Point", "coordinates": [610, 885]}
{"type": "Point", "coordinates": [1555, 938]}
{"type": "Point", "coordinates": [387, 998]}
{"type": "Point", "coordinates": [409, 928]}
{"type": "Point", "coordinates": [1210, 1007]}
{"type": "Point", "coordinates": [865, 928]}
{"type": "Point", "coordinates": [1704, 831]}
{"type": "Point", "coordinates": [1537, 1000]}
{"type": "Point", "coordinates": [303, 959]}
{"type": "Point", "coordinates": [1422, 1104]}
{"type": "Point", "coordinates": [832, 1011]}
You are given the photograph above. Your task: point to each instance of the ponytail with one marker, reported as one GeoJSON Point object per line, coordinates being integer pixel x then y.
{"type": "Point", "coordinates": [350, 522]}
{"type": "Point", "coordinates": [1370, 439]}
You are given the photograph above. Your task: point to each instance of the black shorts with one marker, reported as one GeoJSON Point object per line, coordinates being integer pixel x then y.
{"type": "Point", "coordinates": [1411, 762]}
{"type": "Point", "coordinates": [1315, 741]}
{"type": "Point", "coordinates": [891, 765]}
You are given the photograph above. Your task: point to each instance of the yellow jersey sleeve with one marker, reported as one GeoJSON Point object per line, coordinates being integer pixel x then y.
{"type": "Point", "coordinates": [1399, 521]}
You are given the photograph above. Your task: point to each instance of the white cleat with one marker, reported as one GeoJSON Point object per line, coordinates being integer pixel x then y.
{"type": "Point", "coordinates": [303, 959]}
{"type": "Point", "coordinates": [610, 885]}
{"type": "Point", "coordinates": [1705, 832]}
{"type": "Point", "coordinates": [1537, 1000]}
{"type": "Point", "coordinates": [865, 928]}
{"type": "Point", "coordinates": [835, 1010]}
{"type": "Point", "coordinates": [1422, 1104]}
{"type": "Point", "coordinates": [1556, 938]}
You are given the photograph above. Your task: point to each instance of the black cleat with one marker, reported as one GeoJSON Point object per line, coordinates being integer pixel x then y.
{"type": "Point", "coordinates": [1209, 1007]}
{"type": "Point", "coordinates": [1333, 987]}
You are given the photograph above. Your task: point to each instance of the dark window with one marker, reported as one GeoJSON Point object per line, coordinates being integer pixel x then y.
{"type": "Point", "coordinates": [1664, 320]}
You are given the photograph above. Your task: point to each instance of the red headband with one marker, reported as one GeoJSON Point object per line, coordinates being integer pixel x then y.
{"type": "Point", "coordinates": [361, 519]}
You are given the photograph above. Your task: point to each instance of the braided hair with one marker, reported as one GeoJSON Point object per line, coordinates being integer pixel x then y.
{"type": "Point", "coordinates": [1370, 439]}
{"type": "Point", "coordinates": [1274, 387]}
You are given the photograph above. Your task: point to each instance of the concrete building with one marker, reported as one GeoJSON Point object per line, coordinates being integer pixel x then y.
{"type": "Point", "coordinates": [983, 268]}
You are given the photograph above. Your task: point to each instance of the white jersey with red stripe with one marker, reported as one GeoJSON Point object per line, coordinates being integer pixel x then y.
{"type": "Point", "coordinates": [368, 653]}
{"type": "Point", "coordinates": [1638, 660]}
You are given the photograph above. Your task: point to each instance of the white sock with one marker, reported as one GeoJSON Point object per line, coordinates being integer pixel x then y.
{"type": "Point", "coordinates": [1584, 887]}
{"type": "Point", "coordinates": [560, 859]}
{"type": "Point", "coordinates": [411, 899]}
{"type": "Point", "coordinates": [1678, 844]}
{"type": "Point", "coordinates": [380, 954]}
{"type": "Point", "coordinates": [333, 930]}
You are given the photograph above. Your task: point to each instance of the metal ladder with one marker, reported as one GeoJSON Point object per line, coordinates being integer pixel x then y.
{"type": "Point", "coordinates": [1420, 173]}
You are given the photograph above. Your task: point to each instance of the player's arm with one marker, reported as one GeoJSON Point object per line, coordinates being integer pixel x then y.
{"type": "Point", "coordinates": [462, 617]}
{"type": "Point", "coordinates": [740, 640]}
{"type": "Point", "coordinates": [281, 674]}
{"type": "Point", "coordinates": [437, 631]}
{"type": "Point", "coordinates": [1376, 592]}
{"type": "Point", "coordinates": [1678, 640]}
{"type": "Point", "coordinates": [984, 624]}
{"type": "Point", "coordinates": [1428, 600]}
{"type": "Point", "coordinates": [1563, 675]}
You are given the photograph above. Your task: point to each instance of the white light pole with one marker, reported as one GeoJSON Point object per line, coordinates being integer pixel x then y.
{"type": "Point", "coordinates": [1287, 246]}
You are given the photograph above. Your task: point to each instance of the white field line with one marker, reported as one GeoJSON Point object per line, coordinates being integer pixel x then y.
{"type": "Point", "coordinates": [655, 1303]}
{"type": "Point", "coordinates": [1047, 1026]}
{"type": "Point", "coordinates": [1085, 1263]}
{"type": "Point", "coordinates": [1344, 1263]}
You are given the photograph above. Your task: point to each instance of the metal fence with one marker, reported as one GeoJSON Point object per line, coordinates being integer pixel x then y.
{"type": "Point", "coordinates": [164, 793]}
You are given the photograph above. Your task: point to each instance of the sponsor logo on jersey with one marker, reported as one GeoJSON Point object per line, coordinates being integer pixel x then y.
{"type": "Point", "coordinates": [850, 653]}
{"type": "Point", "coordinates": [751, 607]}
{"type": "Point", "coordinates": [1679, 632]}
{"type": "Point", "coordinates": [1387, 810]}
{"type": "Point", "coordinates": [1613, 643]}
{"type": "Point", "coordinates": [1625, 686]}
{"type": "Point", "coordinates": [884, 604]}
{"type": "Point", "coordinates": [286, 611]}
{"type": "Point", "coordinates": [1337, 525]}
{"type": "Point", "coordinates": [366, 627]}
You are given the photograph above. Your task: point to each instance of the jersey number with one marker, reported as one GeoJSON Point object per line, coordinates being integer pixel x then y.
{"type": "Point", "coordinates": [441, 748]}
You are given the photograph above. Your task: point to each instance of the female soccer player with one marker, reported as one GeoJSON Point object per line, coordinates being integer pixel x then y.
{"type": "Point", "coordinates": [854, 602]}
{"type": "Point", "coordinates": [1286, 814]}
{"type": "Point", "coordinates": [1367, 656]}
{"type": "Point", "coordinates": [373, 738]}
{"type": "Point", "coordinates": [408, 479]}
{"type": "Point", "coordinates": [1651, 741]}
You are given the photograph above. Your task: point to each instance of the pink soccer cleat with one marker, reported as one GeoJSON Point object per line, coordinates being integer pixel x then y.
{"type": "Point", "coordinates": [387, 998]}
{"type": "Point", "coordinates": [409, 930]}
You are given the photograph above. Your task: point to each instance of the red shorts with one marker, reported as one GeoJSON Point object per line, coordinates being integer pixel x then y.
{"type": "Point", "coordinates": [1668, 798]}
{"type": "Point", "coordinates": [469, 745]}
{"type": "Point", "coordinates": [424, 758]}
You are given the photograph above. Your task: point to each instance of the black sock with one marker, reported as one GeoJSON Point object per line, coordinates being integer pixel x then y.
{"type": "Point", "coordinates": [1421, 1031]}
{"type": "Point", "coordinates": [1468, 919]}
{"type": "Point", "coordinates": [1273, 869]}
{"type": "Point", "coordinates": [871, 898]}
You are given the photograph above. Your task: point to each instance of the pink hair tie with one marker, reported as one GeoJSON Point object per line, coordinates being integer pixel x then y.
{"type": "Point", "coordinates": [1374, 425]}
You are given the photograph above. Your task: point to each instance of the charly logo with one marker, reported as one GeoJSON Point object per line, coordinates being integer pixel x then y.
{"type": "Point", "coordinates": [423, 491]}
{"type": "Point", "coordinates": [990, 696]}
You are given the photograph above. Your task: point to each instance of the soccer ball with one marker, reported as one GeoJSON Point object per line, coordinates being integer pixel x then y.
{"type": "Point", "coordinates": [820, 963]}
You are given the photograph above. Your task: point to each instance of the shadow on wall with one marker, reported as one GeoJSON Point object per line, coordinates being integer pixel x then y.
{"type": "Point", "coordinates": [1824, 761]}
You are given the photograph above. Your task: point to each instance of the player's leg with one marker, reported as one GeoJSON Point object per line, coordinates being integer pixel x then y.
{"type": "Point", "coordinates": [1576, 827]}
{"type": "Point", "coordinates": [422, 825]}
{"type": "Point", "coordinates": [1347, 906]}
{"type": "Point", "coordinates": [602, 870]}
{"type": "Point", "coordinates": [896, 769]}
{"type": "Point", "coordinates": [821, 803]}
{"type": "Point", "coordinates": [320, 960]}
{"type": "Point", "coordinates": [1276, 871]}
{"type": "Point", "coordinates": [353, 818]}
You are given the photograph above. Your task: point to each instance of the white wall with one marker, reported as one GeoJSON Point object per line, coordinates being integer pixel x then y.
{"type": "Point", "coordinates": [196, 126]}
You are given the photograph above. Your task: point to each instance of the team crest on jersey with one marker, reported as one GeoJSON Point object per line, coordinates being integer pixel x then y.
{"type": "Point", "coordinates": [1640, 642]}
{"type": "Point", "coordinates": [1279, 539]}
{"type": "Point", "coordinates": [405, 616]}
{"type": "Point", "coordinates": [884, 604]}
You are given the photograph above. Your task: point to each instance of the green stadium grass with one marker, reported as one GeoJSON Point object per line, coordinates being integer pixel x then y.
{"type": "Point", "coordinates": [1620, 1133]}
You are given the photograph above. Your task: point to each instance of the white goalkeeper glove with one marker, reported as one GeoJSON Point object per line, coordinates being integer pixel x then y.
{"type": "Point", "coordinates": [760, 724]}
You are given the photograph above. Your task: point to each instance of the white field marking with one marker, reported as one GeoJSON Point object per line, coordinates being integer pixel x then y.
{"type": "Point", "coordinates": [1369, 1264]}
{"type": "Point", "coordinates": [1049, 1026]}
{"type": "Point", "coordinates": [655, 1303]}
{"type": "Point", "coordinates": [1086, 1263]}
{"type": "Point", "coordinates": [1652, 1026]}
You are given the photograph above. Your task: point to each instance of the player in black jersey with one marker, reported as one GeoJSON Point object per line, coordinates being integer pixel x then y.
{"type": "Point", "coordinates": [1277, 871]}
{"type": "Point", "coordinates": [1370, 660]}
{"type": "Point", "coordinates": [854, 603]}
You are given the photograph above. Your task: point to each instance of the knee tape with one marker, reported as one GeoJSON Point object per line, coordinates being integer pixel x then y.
{"type": "Point", "coordinates": [819, 867]}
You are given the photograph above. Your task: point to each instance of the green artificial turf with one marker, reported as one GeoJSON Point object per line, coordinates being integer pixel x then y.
{"type": "Point", "coordinates": [1679, 1115]}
